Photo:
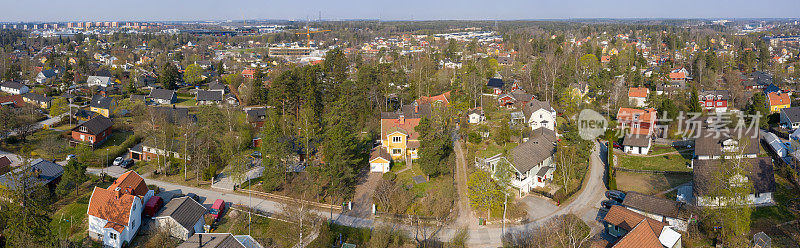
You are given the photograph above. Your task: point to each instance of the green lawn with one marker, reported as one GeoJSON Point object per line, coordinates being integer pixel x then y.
{"type": "Point", "coordinates": [266, 231]}
{"type": "Point", "coordinates": [670, 162]}
{"type": "Point", "coordinates": [493, 149]}
{"type": "Point", "coordinates": [186, 100]}
{"type": "Point", "coordinates": [68, 221]}
{"type": "Point", "coordinates": [650, 184]}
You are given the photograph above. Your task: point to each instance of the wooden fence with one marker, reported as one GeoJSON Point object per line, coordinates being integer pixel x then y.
{"type": "Point", "coordinates": [290, 199]}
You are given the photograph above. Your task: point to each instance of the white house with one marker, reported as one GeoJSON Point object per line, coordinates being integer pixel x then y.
{"type": "Point", "coordinates": [14, 88]}
{"type": "Point", "coordinates": [540, 114]}
{"type": "Point", "coordinates": [46, 76]}
{"type": "Point", "coordinates": [182, 217]}
{"type": "Point", "coordinates": [99, 81]}
{"type": "Point", "coordinates": [760, 174]}
{"type": "Point", "coordinates": [790, 117]}
{"type": "Point", "coordinates": [475, 116]}
{"type": "Point", "coordinates": [636, 144]}
{"type": "Point", "coordinates": [115, 213]}
{"type": "Point", "coordinates": [162, 96]}
{"type": "Point", "coordinates": [638, 96]}
{"type": "Point", "coordinates": [533, 161]}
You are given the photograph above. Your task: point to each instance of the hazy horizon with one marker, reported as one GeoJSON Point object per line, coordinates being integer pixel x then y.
{"type": "Point", "coordinates": [411, 10]}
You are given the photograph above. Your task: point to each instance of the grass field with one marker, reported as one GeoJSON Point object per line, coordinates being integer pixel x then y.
{"type": "Point", "coordinates": [649, 184]}
{"type": "Point", "coordinates": [668, 162]}
{"type": "Point", "coordinates": [268, 232]}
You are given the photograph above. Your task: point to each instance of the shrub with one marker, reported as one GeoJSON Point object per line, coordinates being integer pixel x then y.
{"type": "Point", "coordinates": [389, 176]}
{"type": "Point", "coordinates": [154, 188]}
{"type": "Point", "coordinates": [209, 172]}
{"type": "Point", "coordinates": [474, 137]}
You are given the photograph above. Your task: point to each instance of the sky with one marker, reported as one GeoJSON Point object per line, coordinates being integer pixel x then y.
{"type": "Point", "coordinates": [197, 10]}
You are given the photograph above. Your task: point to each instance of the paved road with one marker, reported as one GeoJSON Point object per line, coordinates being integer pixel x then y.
{"type": "Point", "coordinates": [585, 205]}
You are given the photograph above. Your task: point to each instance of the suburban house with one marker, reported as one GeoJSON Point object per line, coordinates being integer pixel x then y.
{"type": "Point", "coordinates": [217, 86]}
{"type": "Point", "coordinates": [41, 101]}
{"type": "Point", "coordinates": [638, 96]}
{"type": "Point", "coordinates": [379, 160]}
{"type": "Point", "coordinates": [84, 115]}
{"type": "Point", "coordinates": [398, 136]}
{"type": "Point", "coordinates": [46, 76]}
{"type": "Point", "coordinates": [636, 144]}
{"type": "Point", "coordinates": [14, 88]}
{"type": "Point", "coordinates": [712, 144]}
{"type": "Point", "coordinates": [182, 217]}
{"type": "Point", "coordinates": [92, 132]}
{"type": "Point", "coordinates": [495, 85]}
{"type": "Point", "coordinates": [672, 212]}
{"type": "Point", "coordinates": [207, 97]}
{"type": "Point", "coordinates": [636, 230]}
{"type": "Point", "coordinates": [162, 96]}
{"type": "Point", "coordinates": [256, 116]}
{"type": "Point", "coordinates": [790, 117]}
{"type": "Point", "coordinates": [637, 121]}
{"type": "Point", "coordinates": [517, 97]}
{"type": "Point", "coordinates": [102, 105]}
{"type": "Point", "coordinates": [174, 115]}
{"type": "Point", "coordinates": [39, 172]}
{"type": "Point", "coordinates": [540, 114]}
{"type": "Point", "coordinates": [757, 80]}
{"type": "Point", "coordinates": [778, 100]}
{"type": "Point", "coordinates": [115, 213]}
{"type": "Point", "coordinates": [220, 240]}
{"type": "Point", "coordinates": [475, 116]}
{"type": "Point", "coordinates": [99, 81]}
{"type": "Point", "coordinates": [715, 100]}
{"type": "Point", "coordinates": [533, 161]}
{"type": "Point", "coordinates": [151, 149]}
{"type": "Point", "coordinates": [760, 175]}
{"type": "Point", "coordinates": [680, 74]}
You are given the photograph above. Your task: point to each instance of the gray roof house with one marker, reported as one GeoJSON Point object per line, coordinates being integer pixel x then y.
{"type": "Point", "coordinates": [790, 117]}
{"type": "Point", "coordinates": [40, 172]}
{"type": "Point", "coordinates": [220, 240]}
{"type": "Point", "coordinates": [99, 81]}
{"type": "Point", "coordinates": [182, 217]}
{"type": "Point", "coordinates": [533, 160]}
{"type": "Point", "coordinates": [760, 174]}
{"type": "Point", "coordinates": [162, 96]}
{"type": "Point", "coordinates": [206, 97]}
{"type": "Point", "coordinates": [14, 88]}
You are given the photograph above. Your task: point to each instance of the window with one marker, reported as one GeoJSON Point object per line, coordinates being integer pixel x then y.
{"type": "Point", "coordinates": [84, 129]}
{"type": "Point", "coordinates": [112, 236]}
{"type": "Point", "coordinates": [83, 137]}
{"type": "Point", "coordinates": [397, 151]}
{"type": "Point", "coordinates": [397, 139]}
{"type": "Point", "coordinates": [91, 138]}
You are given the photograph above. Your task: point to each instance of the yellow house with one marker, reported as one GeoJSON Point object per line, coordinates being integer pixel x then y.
{"type": "Point", "coordinates": [778, 101]}
{"type": "Point", "coordinates": [37, 100]}
{"type": "Point", "coordinates": [102, 105]}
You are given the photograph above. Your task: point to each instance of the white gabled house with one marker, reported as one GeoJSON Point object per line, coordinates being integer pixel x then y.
{"type": "Point", "coordinates": [115, 213]}
{"type": "Point", "coordinates": [14, 88]}
{"type": "Point", "coordinates": [540, 114]}
{"type": "Point", "coordinates": [533, 161]}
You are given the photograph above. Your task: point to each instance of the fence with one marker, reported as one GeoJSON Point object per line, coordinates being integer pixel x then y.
{"type": "Point", "coordinates": [653, 171]}
{"type": "Point", "coordinates": [290, 199]}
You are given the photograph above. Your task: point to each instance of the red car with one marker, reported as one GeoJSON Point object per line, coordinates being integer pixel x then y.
{"type": "Point", "coordinates": [152, 206]}
{"type": "Point", "coordinates": [217, 208]}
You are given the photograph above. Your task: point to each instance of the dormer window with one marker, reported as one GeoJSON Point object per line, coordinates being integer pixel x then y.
{"type": "Point", "coordinates": [84, 129]}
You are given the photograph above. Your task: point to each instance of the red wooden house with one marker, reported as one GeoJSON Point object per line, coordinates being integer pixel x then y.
{"type": "Point", "coordinates": [93, 132]}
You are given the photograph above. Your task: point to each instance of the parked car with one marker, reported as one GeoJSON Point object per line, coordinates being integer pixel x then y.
{"type": "Point", "coordinates": [70, 157]}
{"type": "Point", "coordinates": [126, 163]}
{"type": "Point", "coordinates": [194, 197]}
{"type": "Point", "coordinates": [117, 161]}
{"type": "Point", "coordinates": [217, 209]}
{"type": "Point", "coordinates": [608, 203]}
{"type": "Point", "coordinates": [617, 145]}
{"type": "Point", "coordinates": [615, 195]}
{"type": "Point", "coordinates": [152, 206]}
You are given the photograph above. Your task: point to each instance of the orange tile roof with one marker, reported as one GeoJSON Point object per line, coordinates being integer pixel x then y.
{"type": "Point", "coordinates": [637, 92]}
{"type": "Point", "coordinates": [116, 226]}
{"type": "Point", "coordinates": [444, 97]}
{"type": "Point", "coordinates": [130, 183]}
{"type": "Point", "coordinates": [629, 115]}
{"type": "Point", "coordinates": [677, 75]}
{"type": "Point", "coordinates": [777, 98]}
{"type": "Point", "coordinates": [642, 231]}
{"type": "Point", "coordinates": [110, 205]}
{"type": "Point", "coordinates": [389, 126]}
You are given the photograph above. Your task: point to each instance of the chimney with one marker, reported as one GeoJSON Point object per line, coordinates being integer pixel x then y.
{"type": "Point", "coordinates": [416, 108]}
{"type": "Point", "coordinates": [401, 118]}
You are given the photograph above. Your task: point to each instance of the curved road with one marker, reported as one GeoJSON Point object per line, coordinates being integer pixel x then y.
{"type": "Point", "coordinates": [585, 205]}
